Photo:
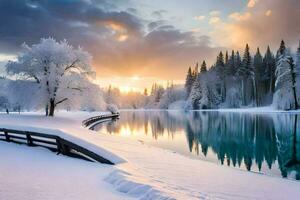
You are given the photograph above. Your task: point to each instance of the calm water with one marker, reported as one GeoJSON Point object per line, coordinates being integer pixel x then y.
{"type": "Point", "coordinates": [264, 143]}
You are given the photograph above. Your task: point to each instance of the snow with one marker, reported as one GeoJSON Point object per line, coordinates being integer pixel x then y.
{"type": "Point", "coordinates": [36, 173]}
{"type": "Point", "coordinates": [148, 173]}
{"type": "Point", "coordinates": [263, 109]}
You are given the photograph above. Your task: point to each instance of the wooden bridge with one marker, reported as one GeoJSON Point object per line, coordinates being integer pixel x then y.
{"type": "Point", "coordinates": [56, 143]}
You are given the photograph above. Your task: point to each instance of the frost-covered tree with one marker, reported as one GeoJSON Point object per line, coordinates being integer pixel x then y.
{"type": "Point", "coordinates": [285, 96]}
{"type": "Point", "coordinates": [203, 67]}
{"type": "Point", "coordinates": [297, 71]}
{"type": "Point", "coordinates": [189, 82]}
{"type": "Point", "coordinates": [220, 70]}
{"type": "Point", "coordinates": [172, 94]}
{"type": "Point", "coordinates": [112, 96]}
{"type": "Point", "coordinates": [23, 94]}
{"type": "Point", "coordinates": [57, 67]}
{"type": "Point", "coordinates": [246, 74]}
{"type": "Point", "coordinates": [195, 95]}
{"type": "Point", "coordinates": [258, 75]}
{"type": "Point", "coordinates": [231, 65]}
{"type": "Point", "coordinates": [205, 93]}
{"type": "Point", "coordinates": [269, 63]}
{"type": "Point", "coordinates": [157, 92]}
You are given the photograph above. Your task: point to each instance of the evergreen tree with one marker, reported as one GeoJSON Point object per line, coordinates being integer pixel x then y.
{"type": "Point", "coordinates": [196, 71]}
{"type": "Point", "coordinates": [145, 92]}
{"type": "Point", "coordinates": [203, 67]}
{"type": "Point", "coordinates": [220, 69]}
{"type": "Point", "coordinates": [195, 95]}
{"type": "Point", "coordinates": [189, 82]}
{"type": "Point", "coordinates": [285, 96]}
{"type": "Point", "coordinates": [246, 74]}
{"type": "Point", "coordinates": [281, 49]}
{"type": "Point", "coordinates": [230, 69]}
{"type": "Point", "coordinates": [258, 74]}
{"type": "Point", "coordinates": [238, 61]}
{"type": "Point", "coordinates": [270, 67]}
{"type": "Point", "coordinates": [297, 70]}
{"type": "Point", "coordinates": [226, 58]}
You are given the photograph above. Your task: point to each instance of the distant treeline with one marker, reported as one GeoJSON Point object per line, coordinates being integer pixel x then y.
{"type": "Point", "coordinates": [235, 81]}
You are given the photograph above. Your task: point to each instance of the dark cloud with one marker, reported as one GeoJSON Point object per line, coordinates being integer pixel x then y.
{"type": "Point", "coordinates": [121, 42]}
{"type": "Point", "coordinates": [24, 20]}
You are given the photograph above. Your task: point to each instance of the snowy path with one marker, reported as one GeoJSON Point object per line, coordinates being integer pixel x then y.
{"type": "Point", "coordinates": [151, 172]}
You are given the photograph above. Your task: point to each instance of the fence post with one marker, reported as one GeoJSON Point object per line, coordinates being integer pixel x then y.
{"type": "Point", "coordinates": [7, 136]}
{"type": "Point", "coordinates": [62, 148]}
{"type": "Point", "coordinates": [29, 139]}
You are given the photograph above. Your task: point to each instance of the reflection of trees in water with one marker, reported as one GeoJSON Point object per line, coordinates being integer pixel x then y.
{"type": "Point", "coordinates": [235, 138]}
{"type": "Point", "coordinates": [288, 142]}
{"type": "Point", "coordinates": [159, 123]}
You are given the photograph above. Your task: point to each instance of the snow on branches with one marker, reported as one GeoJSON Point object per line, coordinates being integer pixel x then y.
{"type": "Point", "coordinates": [60, 70]}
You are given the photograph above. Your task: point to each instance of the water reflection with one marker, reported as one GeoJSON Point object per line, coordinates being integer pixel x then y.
{"type": "Point", "coordinates": [265, 143]}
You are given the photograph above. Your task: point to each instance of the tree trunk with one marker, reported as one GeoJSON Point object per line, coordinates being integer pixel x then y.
{"type": "Point", "coordinates": [292, 67]}
{"type": "Point", "coordinates": [255, 93]}
{"type": "Point", "coordinates": [51, 108]}
{"type": "Point", "coordinates": [243, 93]}
{"type": "Point", "coordinates": [47, 110]}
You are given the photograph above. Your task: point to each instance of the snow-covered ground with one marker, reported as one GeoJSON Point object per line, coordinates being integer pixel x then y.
{"type": "Point", "coordinates": [36, 173]}
{"type": "Point", "coordinates": [148, 173]}
{"type": "Point", "coordinates": [265, 109]}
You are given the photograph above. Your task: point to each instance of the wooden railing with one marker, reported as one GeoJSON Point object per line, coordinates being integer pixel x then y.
{"type": "Point", "coordinates": [99, 118]}
{"type": "Point", "coordinates": [52, 142]}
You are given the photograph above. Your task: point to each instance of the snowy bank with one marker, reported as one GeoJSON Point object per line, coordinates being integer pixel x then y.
{"type": "Point", "coordinates": [36, 173]}
{"type": "Point", "coordinates": [266, 109]}
{"type": "Point", "coordinates": [96, 149]}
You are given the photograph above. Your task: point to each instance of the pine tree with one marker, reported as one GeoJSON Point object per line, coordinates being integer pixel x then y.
{"type": "Point", "coordinates": [220, 69]}
{"type": "Point", "coordinates": [189, 82]}
{"type": "Point", "coordinates": [281, 49]}
{"type": "Point", "coordinates": [238, 61]}
{"type": "Point", "coordinates": [226, 58]}
{"type": "Point", "coordinates": [286, 95]}
{"type": "Point", "coordinates": [246, 74]}
{"type": "Point", "coordinates": [145, 92]}
{"type": "Point", "coordinates": [297, 71]}
{"type": "Point", "coordinates": [258, 74]}
{"type": "Point", "coordinates": [195, 95]}
{"type": "Point", "coordinates": [196, 71]}
{"type": "Point", "coordinates": [230, 69]}
{"type": "Point", "coordinates": [270, 67]}
{"type": "Point", "coordinates": [203, 67]}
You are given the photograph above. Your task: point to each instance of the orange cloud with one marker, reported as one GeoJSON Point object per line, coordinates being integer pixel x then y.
{"type": "Point", "coordinates": [252, 3]}
{"type": "Point", "coordinates": [214, 20]}
{"type": "Point", "coordinates": [269, 22]}
{"type": "Point", "coordinates": [120, 32]}
{"type": "Point", "coordinates": [240, 16]}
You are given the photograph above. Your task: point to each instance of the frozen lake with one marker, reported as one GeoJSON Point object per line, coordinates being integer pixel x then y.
{"type": "Point", "coordinates": [263, 143]}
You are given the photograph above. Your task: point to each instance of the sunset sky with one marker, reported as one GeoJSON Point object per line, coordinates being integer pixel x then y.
{"type": "Point", "coordinates": [137, 42]}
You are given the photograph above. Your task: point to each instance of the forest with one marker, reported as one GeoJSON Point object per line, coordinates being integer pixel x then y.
{"type": "Point", "coordinates": [235, 81]}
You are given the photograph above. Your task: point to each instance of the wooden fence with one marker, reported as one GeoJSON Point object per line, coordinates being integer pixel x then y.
{"type": "Point", "coordinates": [92, 120]}
{"type": "Point", "coordinates": [52, 142]}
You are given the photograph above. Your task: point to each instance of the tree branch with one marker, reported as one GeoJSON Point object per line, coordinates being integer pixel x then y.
{"type": "Point", "coordinates": [70, 66]}
{"type": "Point", "coordinates": [78, 89]}
{"type": "Point", "coordinates": [65, 99]}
